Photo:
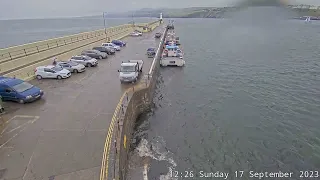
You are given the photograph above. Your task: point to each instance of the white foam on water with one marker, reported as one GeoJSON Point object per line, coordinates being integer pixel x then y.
{"type": "Point", "coordinates": [157, 153]}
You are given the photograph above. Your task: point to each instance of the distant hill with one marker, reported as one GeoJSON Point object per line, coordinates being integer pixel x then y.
{"type": "Point", "coordinates": [207, 12]}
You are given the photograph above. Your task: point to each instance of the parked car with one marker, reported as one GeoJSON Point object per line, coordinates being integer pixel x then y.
{"type": "Point", "coordinates": [51, 71]}
{"type": "Point", "coordinates": [158, 35]}
{"type": "Point", "coordinates": [108, 50]}
{"type": "Point", "coordinates": [1, 106]}
{"type": "Point", "coordinates": [134, 34]}
{"type": "Point", "coordinates": [111, 45]}
{"type": "Point", "coordinates": [12, 89]}
{"type": "Point", "coordinates": [94, 54]}
{"type": "Point", "coordinates": [84, 60]}
{"type": "Point", "coordinates": [138, 32]}
{"type": "Point", "coordinates": [72, 66]}
{"type": "Point", "coordinates": [119, 43]}
{"type": "Point", "coordinates": [151, 52]}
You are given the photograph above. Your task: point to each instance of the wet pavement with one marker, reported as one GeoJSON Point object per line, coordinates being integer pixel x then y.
{"type": "Point", "coordinates": [62, 135]}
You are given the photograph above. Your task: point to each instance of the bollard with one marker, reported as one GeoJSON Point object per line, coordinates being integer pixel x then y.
{"type": "Point", "coordinates": [127, 97]}
{"type": "Point", "coordinates": [122, 109]}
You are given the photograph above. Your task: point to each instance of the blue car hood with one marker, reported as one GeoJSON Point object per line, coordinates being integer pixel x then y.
{"type": "Point", "coordinates": [32, 91]}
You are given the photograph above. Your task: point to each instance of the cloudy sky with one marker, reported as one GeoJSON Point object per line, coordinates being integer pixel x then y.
{"type": "Point", "coordinates": [12, 9]}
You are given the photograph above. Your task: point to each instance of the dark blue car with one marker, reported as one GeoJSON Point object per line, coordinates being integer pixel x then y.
{"type": "Point", "coordinates": [12, 89]}
{"type": "Point", "coordinates": [119, 43]}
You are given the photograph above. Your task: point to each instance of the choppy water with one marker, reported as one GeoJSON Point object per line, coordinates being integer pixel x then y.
{"type": "Point", "coordinates": [248, 99]}
{"type": "Point", "coordinates": [16, 32]}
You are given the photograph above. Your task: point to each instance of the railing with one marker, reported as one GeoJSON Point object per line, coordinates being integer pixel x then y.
{"type": "Point", "coordinates": [37, 47]}
{"type": "Point", "coordinates": [133, 102]}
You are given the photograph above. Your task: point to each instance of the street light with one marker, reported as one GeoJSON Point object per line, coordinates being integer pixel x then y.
{"type": "Point", "coordinates": [104, 24]}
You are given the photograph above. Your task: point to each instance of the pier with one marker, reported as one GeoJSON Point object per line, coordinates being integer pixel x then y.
{"type": "Point", "coordinates": [70, 133]}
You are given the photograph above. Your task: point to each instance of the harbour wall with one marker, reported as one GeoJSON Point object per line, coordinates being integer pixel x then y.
{"type": "Point", "coordinates": [133, 102]}
{"type": "Point", "coordinates": [21, 61]}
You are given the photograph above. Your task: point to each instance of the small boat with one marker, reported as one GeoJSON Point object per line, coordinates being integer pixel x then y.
{"type": "Point", "coordinates": [308, 19]}
{"type": "Point", "coordinates": [172, 56]}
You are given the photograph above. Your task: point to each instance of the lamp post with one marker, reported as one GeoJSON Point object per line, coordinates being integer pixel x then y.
{"type": "Point", "coordinates": [132, 18]}
{"type": "Point", "coordinates": [104, 24]}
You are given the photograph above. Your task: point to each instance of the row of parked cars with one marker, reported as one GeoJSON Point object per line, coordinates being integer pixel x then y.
{"type": "Point", "coordinates": [12, 89]}
{"type": "Point", "coordinates": [78, 63]}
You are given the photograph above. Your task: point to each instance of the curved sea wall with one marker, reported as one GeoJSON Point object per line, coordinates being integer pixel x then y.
{"type": "Point", "coordinates": [134, 102]}
{"type": "Point", "coordinates": [20, 61]}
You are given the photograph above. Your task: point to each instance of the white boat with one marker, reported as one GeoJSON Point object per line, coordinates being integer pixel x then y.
{"type": "Point", "coordinates": [308, 19]}
{"type": "Point", "coordinates": [172, 56]}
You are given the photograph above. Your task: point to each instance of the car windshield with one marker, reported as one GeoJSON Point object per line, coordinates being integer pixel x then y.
{"type": "Point", "coordinates": [22, 87]}
{"type": "Point", "coordinates": [127, 68]}
{"type": "Point", "coordinates": [87, 57]}
{"type": "Point", "coordinates": [57, 68]}
{"type": "Point", "coordinates": [151, 49]}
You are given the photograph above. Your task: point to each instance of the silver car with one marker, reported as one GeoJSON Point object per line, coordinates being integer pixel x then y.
{"type": "Point", "coordinates": [72, 66]}
{"type": "Point", "coordinates": [84, 60]}
{"type": "Point", "coordinates": [94, 54]}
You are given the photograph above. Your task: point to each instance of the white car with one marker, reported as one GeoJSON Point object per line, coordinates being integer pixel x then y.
{"type": "Point", "coordinates": [138, 32]}
{"type": "Point", "coordinates": [111, 45]}
{"type": "Point", "coordinates": [51, 71]}
{"type": "Point", "coordinates": [134, 34]}
{"type": "Point", "coordinates": [72, 66]}
{"type": "Point", "coordinates": [84, 60]}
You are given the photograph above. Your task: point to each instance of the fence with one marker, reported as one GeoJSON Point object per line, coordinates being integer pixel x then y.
{"type": "Point", "coordinates": [31, 48]}
{"type": "Point", "coordinates": [133, 102]}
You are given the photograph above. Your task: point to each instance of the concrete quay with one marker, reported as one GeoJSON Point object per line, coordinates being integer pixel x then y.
{"type": "Point", "coordinates": [63, 135]}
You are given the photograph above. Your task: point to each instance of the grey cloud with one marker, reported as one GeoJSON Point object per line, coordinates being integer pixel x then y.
{"type": "Point", "coordinates": [64, 8]}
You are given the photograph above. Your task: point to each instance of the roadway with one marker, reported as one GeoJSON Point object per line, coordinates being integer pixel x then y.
{"type": "Point", "coordinates": [62, 135]}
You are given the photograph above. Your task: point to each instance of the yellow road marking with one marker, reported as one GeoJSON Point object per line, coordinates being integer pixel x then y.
{"type": "Point", "coordinates": [145, 171]}
{"type": "Point", "coordinates": [107, 145]}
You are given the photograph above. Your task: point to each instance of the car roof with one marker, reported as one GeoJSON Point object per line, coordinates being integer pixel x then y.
{"type": "Point", "coordinates": [10, 81]}
{"type": "Point", "coordinates": [129, 64]}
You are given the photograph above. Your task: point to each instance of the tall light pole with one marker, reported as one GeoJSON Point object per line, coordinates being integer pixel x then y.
{"type": "Point", "coordinates": [132, 19]}
{"type": "Point", "coordinates": [104, 24]}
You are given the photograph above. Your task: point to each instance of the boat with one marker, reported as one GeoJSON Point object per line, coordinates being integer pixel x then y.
{"type": "Point", "coordinates": [308, 19]}
{"type": "Point", "coordinates": [172, 56]}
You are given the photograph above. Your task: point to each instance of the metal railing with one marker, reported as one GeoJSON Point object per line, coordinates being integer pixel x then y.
{"type": "Point", "coordinates": [62, 41]}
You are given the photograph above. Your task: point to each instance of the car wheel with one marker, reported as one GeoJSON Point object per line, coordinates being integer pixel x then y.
{"type": "Point", "coordinates": [75, 71]}
{"type": "Point", "coordinates": [89, 65]}
{"type": "Point", "coordinates": [39, 77]}
{"type": "Point", "coordinates": [59, 77]}
{"type": "Point", "coordinates": [21, 101]}
{"type": "Point", "coordinates": [100, 57]}
{"type": "Point", "coordinates": [1, 110]}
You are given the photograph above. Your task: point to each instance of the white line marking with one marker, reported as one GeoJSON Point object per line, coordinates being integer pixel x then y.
{"type": "Point", "coordinates": [30, 122]}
